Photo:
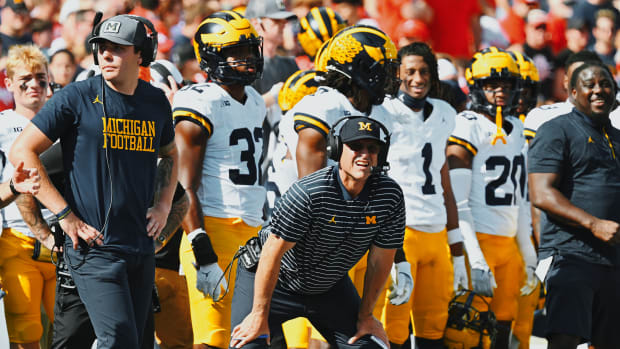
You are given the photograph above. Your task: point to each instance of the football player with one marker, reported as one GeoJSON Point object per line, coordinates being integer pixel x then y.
{"type": "Point", "coordinates": [361, 67]}
{"type": "Point", "coordinates": [487, 169]}
{"type": "Point", "coordinates": [27, 273]}
{"type": "Point", "coordinates": [282, 171]}
{"type": "Point", "coordinates": [418, 163]}
{"type": "Point", "coordinates": [318, 26]}
{"type": "Point", "coordinates": [219, 130]}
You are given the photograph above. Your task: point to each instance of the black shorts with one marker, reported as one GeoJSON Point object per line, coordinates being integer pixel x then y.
{"type": "Point", "coordinates": [583, 300]}
{"type": "Point", "coordinates": [333, 313]}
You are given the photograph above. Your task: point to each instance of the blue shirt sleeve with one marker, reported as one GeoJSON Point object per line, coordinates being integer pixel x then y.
{"type": "Point", "coordinates": [58, 114]}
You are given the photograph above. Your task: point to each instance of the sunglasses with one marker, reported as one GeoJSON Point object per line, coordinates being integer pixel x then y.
{"type": "Point", "coordinates": [372, 148]}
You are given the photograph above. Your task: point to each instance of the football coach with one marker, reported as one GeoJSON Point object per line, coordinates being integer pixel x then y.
{"type": "Point", "coordinates": [321, 227]}
{"type": "Point", "coordinates": [112, 128]}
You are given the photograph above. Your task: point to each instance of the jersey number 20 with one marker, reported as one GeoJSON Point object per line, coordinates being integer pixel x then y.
{"type": "Point", "coordinates": [508, 169]}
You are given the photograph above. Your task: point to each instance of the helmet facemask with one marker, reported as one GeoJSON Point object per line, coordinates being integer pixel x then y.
{"type": "Point", "coordinates": [493, 64]}
{"type": "Point", "coordinates": [214, 62]}
{"type": "Point", "coordinates": [480, 101]}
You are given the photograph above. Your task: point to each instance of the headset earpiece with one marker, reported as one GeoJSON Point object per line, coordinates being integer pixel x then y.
{"type": "Point", "coordinates": [334, 143]}
{"type": "Point", "coordinates": [334, 147]}
{"type": "Point", "coordinates": [148, 49]}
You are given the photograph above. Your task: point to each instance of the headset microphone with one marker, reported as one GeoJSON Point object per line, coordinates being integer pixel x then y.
{"type": "Point", "coordinates": [96, 20]}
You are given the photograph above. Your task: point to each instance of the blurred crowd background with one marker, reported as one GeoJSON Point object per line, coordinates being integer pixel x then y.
{"type": "Point", "coordinates": [546, 30]}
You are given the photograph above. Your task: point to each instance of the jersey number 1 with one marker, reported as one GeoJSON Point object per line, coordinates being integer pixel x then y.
{"type": "Point", "coordinates": [427, 153]}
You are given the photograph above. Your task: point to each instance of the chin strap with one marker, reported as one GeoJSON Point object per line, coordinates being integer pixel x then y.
{"type": "Point", "coordinates": [500, 131]}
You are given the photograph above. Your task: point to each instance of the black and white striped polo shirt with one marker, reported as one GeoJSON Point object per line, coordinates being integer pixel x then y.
{"type": "Point", "coordinates": [332, 233]}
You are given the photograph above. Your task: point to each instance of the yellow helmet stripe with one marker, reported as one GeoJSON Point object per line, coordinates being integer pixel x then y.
{"type": "Point", "coordinates": [388, 50]}
{"type": "Point", "coordinates": [325, 25]}
{"type": "Point", "coordinates": [308, 29]}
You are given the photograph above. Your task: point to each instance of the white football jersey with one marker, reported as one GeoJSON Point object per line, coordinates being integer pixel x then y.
{"type": "Point", "coordinates": [498, 171]}
{"type": "Point", "coordinates": [11, 125]}
{"type": "Point", "coordinates": [230, 185]}
{"type": "Point", "coordinates": [320, 111]}
{"type": "Point", "coordinates": [281, 172]}
{"type": "Point", "coordinates": [417, 154]}
{"type": "Point", "coordinates": [538, 116]}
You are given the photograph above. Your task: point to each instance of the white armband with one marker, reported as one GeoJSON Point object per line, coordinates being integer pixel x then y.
{"type": "Point", "coordinates": [461, 187]}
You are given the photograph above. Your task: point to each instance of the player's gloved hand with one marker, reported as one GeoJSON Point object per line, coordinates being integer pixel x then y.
{"type": "Point", "coordinates": [209, 275]}
{"type": "Point", "coordinates": [530, 282]}
{"type": "Point", "coordinates": [209, 279]}
{"type": "Point", "coordinates": [460, 273]}
{"type": "Point", "coordinates": [483, 281]}
{"type": "Point", "coordinates": [402, 283]}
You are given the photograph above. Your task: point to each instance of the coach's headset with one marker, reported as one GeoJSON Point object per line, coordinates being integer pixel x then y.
{"type": "Point", "coordinates": [334, 144]}
{"type": "Point", "coordinates": [148, 46]}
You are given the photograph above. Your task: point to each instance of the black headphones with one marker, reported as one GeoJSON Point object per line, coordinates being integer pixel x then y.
{"type": "Point", "coordinates": [148, 49]}
{"type": "Point", "coordinates": [334, 144]}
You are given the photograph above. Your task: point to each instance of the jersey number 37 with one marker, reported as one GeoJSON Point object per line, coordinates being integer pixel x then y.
{"type": "Point", "coordinates": [253, 174]}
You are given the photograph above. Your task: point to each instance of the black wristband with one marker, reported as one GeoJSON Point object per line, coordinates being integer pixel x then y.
{"type": "Point", "coordinates": [203, 250]}
{"type": "Point", "coordinates": [12, 187]}
{"type": "Point", "coordinates": [399, 256]}
{"type": "Point", "coordinates": [63, 214]}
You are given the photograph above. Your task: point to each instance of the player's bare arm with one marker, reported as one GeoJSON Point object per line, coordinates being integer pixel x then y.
{"type": "Point", "coordinates": [458, 157]}
{"type": "Point", "coordinates": [311, 152]}
{"type": "Point", "coordinates": [545, 195]}
{"type": "Point", "coordinates": [31, 213]}
{"type": "Point", "coordinates": [255, 323]}
{"type": "Point", "coordinates": [158, 214]}
{"type": "Point", "coordinates": [27, 147]}
{"type": "Point", "coordinates": [191, 143]}
{"type": "Point", "coordinates": [379, 265]}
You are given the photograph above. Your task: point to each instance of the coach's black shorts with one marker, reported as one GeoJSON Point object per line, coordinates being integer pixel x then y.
{"type": "Point", "coordinates": [583, 300]}
{"type": "Point", "coordinates": [333, 313]}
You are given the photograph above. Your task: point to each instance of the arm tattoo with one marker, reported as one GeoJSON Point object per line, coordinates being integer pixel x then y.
{"type": "Point", "coordinates": [177, 213]}
{"type": "Point", "coordinates": [31, 213]}
{"type": "Point", "coordinates": [162, 176]}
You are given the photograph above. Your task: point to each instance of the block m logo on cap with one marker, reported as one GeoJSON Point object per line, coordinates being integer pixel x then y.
{"type": "Point", "coordinates": [364, 126]}
{"type": "Point", "coordinates": [111, 27]}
